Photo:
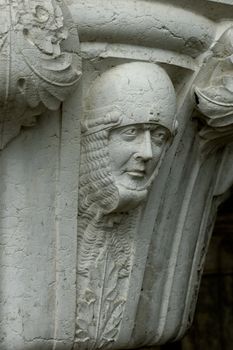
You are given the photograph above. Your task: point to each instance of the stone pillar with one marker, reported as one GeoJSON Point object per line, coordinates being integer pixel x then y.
{"type": "Point", "coordinates": [110, 183]}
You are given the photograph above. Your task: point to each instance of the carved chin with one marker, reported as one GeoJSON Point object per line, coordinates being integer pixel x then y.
{"type": "Point", "coordinates": [129, 199]}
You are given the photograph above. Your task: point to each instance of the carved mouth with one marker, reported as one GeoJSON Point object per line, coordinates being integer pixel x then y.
{"type": "Point", "coordinates": [136, 173]}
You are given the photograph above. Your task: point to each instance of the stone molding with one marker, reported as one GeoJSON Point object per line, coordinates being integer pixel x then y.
{"type": "Point", "coordinates": [122, 23]}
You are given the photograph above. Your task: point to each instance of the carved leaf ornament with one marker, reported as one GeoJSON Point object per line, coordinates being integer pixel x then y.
{"type": "Point", "coordinates": [39, 65]}
{"type": "Point", "coordinates": [214, 95]}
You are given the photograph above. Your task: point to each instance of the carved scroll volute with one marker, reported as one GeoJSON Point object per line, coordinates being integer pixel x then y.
{"type": "Point", "coordinates": [39, 61]}
{"type": "Point", "coordinates": [213, 92]}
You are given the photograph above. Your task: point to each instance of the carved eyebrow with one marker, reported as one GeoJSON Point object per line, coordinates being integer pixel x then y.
{"type": "Point", "coordinates": [142, 126]}
{"type": "Point", "coordinates": [154, 127]}
{"type": "Point", "coordinates": [128, 127]}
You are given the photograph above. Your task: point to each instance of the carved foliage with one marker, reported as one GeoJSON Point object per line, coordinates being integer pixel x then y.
{"type": "Point", "coordinates": [214, 95]}
{"type": "Point", "coordinates": [38, 65]}
{"type": "Point", "coordinates": [101, 304]}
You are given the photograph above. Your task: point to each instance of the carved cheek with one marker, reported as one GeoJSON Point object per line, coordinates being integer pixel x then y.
{"type": "Point", "coordinates": [121, 151]}
{"type": "Point", "coordinates": [157, 152]}
{"type": "Point", "coordinates": [116, 153]}
{"type": "Point", "coordinates": [131, 149]}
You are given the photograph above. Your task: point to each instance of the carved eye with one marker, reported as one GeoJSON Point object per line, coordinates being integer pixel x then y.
{"type": "Point", "coordinates": [129, 133]}
{"type": "Point", "coordinates": [159, 137]}
{"type": "Point", "coordinates": [41, 14]}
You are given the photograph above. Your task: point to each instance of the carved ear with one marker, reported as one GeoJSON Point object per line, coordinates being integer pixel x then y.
{"type": "Point", "coordinates": [37, 69]}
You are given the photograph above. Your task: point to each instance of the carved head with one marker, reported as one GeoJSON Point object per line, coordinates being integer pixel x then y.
{"type": "Point", "coordinates": [134, 104]}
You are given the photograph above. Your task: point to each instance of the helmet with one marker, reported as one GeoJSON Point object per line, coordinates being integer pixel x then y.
{"type": "Point", "coordinates": [131, 93]}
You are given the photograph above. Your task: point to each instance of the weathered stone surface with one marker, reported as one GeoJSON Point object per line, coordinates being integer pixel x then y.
{"type": "Point", "coordinates": [128, 126]}
{"type": "Point", "coordinates": [95, 255]}
{"type": "Point", "coordinates": [39, 61]}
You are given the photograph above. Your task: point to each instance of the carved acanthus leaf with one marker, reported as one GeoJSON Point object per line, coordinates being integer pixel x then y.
{"type": "Point", "coordinates": [214, 95]}
{"type": "Point", "coordinates": [39, 65]}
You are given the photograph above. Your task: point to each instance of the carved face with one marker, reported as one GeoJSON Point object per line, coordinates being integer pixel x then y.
{"type": "Point", "coordinates": [129, 119]}
{"type": "Point", "coordinates": [135, 151]}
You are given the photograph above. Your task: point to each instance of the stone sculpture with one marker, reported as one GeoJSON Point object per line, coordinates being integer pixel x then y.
{"type": "Point", "coordinates": [40, 63]}
{"type": "Point", "coordinates": [213, 95]}
{"type": "Point", "coordinates": [129, 124]}
{"type": "Point", "coordinates": [105, 216]}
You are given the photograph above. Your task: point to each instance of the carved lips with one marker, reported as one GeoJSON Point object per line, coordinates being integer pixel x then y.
{"type": "Point", "coordinates": [137, 171]}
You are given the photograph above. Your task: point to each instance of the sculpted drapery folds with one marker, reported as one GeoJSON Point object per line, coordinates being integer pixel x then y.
{"type": "Point", "coordinates": [129, 124]}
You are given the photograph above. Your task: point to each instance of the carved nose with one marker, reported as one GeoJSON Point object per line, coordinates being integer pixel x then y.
{"type": "Point", "coordinates": [145, 147]}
